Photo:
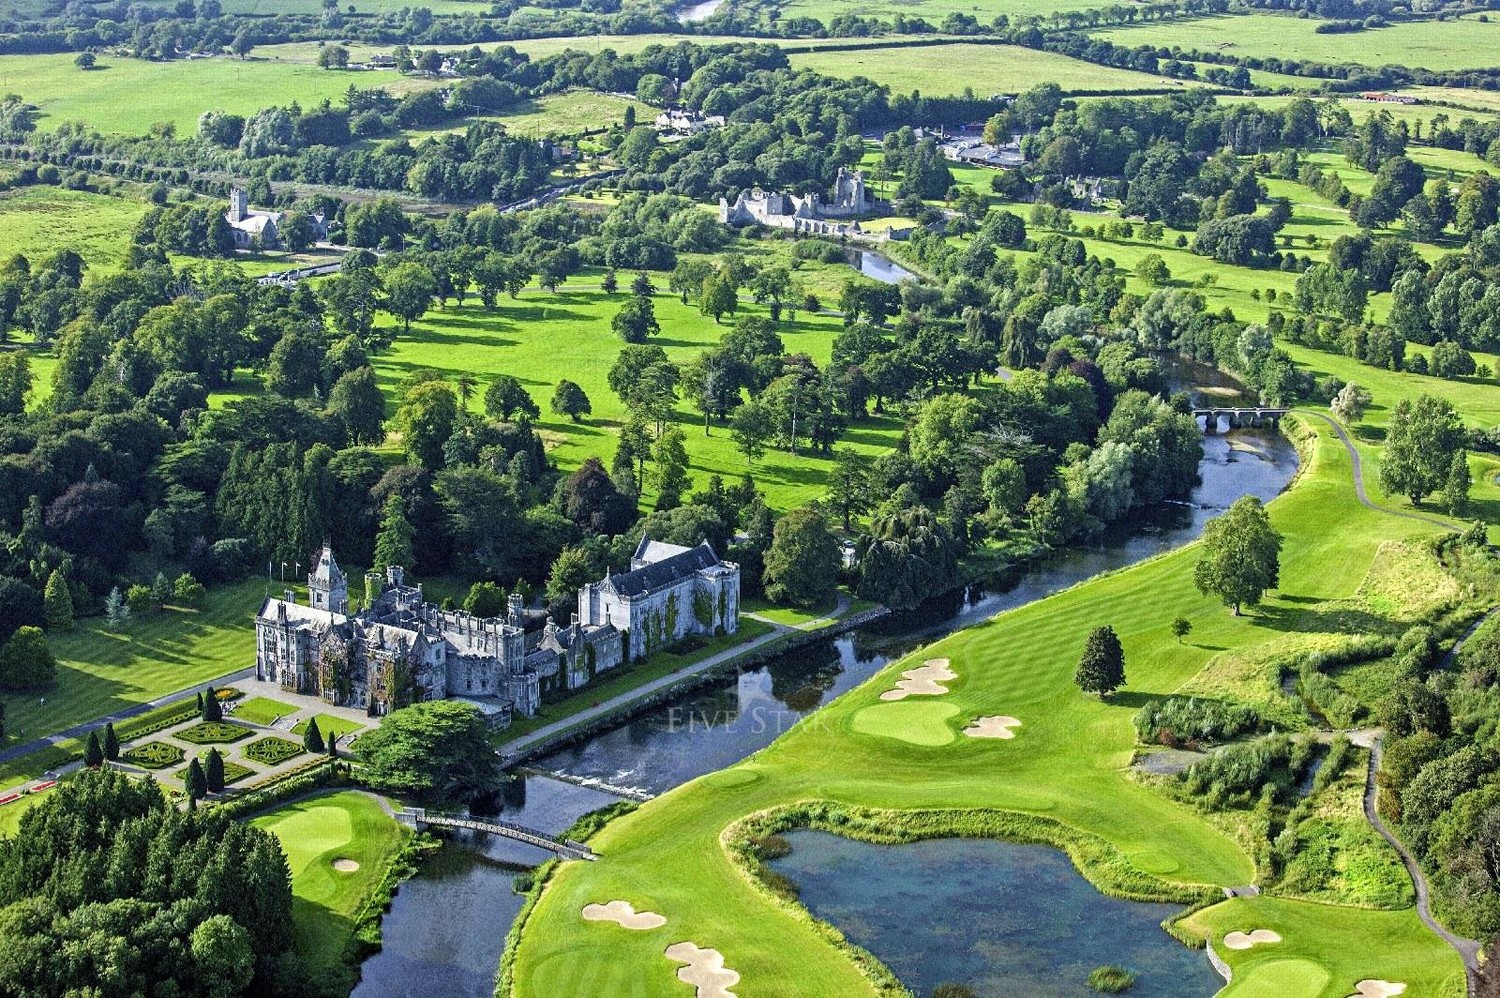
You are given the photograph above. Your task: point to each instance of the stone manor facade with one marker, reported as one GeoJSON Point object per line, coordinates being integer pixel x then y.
{"type": "Point", "coordinates": [807, 214]}
{"type": "Point", "coordinates": [401, 648]}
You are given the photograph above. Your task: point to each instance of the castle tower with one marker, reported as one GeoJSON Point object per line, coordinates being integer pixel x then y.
{"type": "Point", "coordinates": [327, 585]}
{"type": "Point", "coordinates": [239, 204]}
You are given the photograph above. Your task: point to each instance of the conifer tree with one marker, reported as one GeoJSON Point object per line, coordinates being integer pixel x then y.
{"type": "Point", "coordinates": [58, 602]}
{"type": "Point", "coordinates": [333, 745]}
{"type": "Point", "coordinates": [195, 782]}
{"type": "Point", "coordinates": [1102, 669]}
{"type": "Point", "coordinates": [213, 772]}
{"type": "Point", "coordinates": [393, 543]}
{"type": "Point", "coordinates": [116, 612]}
{"type": "Point", "coordinates": [111, 742]}
{"type": "Point", "coordinates": [312, 739]}
{"type": "Point", "coordinates": [212, 710]}
{"type": "Point", "coordinates": [93, 754]}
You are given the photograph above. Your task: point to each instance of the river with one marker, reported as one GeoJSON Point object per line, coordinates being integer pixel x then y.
{"type": "Point", "coordinates": [449, 925]}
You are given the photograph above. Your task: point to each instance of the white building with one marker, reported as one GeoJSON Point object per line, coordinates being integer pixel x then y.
{"type": "Point", "coordinates": [669, 593]}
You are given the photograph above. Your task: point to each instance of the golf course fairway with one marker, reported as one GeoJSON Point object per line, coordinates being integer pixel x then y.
{"type": "Point", "coordinates": [1064, 779]}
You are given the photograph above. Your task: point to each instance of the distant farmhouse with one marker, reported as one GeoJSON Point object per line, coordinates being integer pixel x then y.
{"type": "Point", "coordinates": [402, 648]}
{"type": "Point", "coordinates": [682, 124]}
{"type": "Point", "coordinates": [256, 229]}
{"type": "Point", "coordinates": [807, 214]}
{"type": "Point", "coordinates": [980, 153]}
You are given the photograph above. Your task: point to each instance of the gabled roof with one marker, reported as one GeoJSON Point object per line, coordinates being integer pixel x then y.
{"type": "Point", "coordinates": [664, 573]}
{"type": "Point", "coordinates": [327, 571]}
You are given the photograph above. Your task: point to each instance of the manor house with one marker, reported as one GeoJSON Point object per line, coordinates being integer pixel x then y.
{"type": "Point", "coordinates": [400, 648]}
{"type": "Point", "coordinates": [807, 214]}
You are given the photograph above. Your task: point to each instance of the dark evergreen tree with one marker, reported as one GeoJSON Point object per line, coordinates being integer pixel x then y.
{"type": "Point", "coordinates": [212, 710]}
{"type": "Point", "coordinates": [111, 742]}
{"type": "Point", "coordinates": [93, 753]}
{"type": "Point", "coordinates": [312, 738]}
{"type": "Point", "coordinates": [213, 772]}
{"type": "Point", "coordinates": [1101, 670]}
{"type": "Point", "coordinates": [195, 782]}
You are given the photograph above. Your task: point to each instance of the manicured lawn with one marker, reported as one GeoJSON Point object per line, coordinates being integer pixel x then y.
{"type": "Point", "coordinates": [37, 221]}
{"type": "Point", "coordinates": [540, 338]}
{"type": "Point", "coordinates": [1462, 43]}
{"type": "Point", "coordinates": [314, 834]}
{"type": "Point", "coordinates": [154, 755]}
{"type": "Point", "coordinates": [1069, 762]}
{"type": "Point", "coordinates": [261, 710]}
{"type": "Point", "coordinates": [328, 722]}
{"type": "Point", "coordinates": [1325, 950]}
{"type": "Point", "coordinates": [788, 615]}
{"type": "Point", "coordinates": [100, 671]}
{"type": "Point", "coordinates": [272, 751]}
{"type": "Point", "coordinates": [130, 95]}
{"type": "Point", "coordinates": [988, 69]}
{"type": "Point", "coordinates": [10, 814]}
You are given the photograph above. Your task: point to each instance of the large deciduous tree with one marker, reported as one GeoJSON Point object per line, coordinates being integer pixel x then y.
{"type": "Point", "coordinates": [1241, 555]}
{"type": "Point", "coordinates": [439, 747]}
{"type": "Point", "coordinates": [1421, 440]}
{"type": "Point", "coordinates": [802, 564]}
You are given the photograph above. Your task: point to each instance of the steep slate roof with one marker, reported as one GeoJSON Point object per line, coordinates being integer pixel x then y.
{"type": "Point", "coordinates": [666, 572]}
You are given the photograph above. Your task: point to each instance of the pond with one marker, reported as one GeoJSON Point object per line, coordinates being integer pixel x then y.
{"type": "Point", "coordinates": [882, 268]}
{"type": "Point", "coordinates": [1001, 918]}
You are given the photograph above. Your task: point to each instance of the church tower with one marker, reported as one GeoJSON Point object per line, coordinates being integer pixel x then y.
{"type": "Point", "coordinates": [239, 204]}
{"type": "Point", "coordinates": [327, 585]}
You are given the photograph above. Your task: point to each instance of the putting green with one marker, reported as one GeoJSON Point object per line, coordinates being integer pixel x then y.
{"type": "Point", "coordinates": [1280, 979]}
{"type": "Point", "coordinates": [917, 723]}
{"type": "Point", "coordinates": [728, 778]}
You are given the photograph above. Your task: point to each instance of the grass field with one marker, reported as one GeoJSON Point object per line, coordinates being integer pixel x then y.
{"type": "Point", "coordinates": [340, 726]}
{"type": "Point", "coordinates": [558, 115]}
{"type": "Point", "coordinates": [933, 10]}
{"type": "Point", "coordinates": [37, 221]}
{"type": "Point", "coordinates": [986, 69]}
{"type": "Point", "coordinates": [130, 95]}
{"type": "Point", "coordinates": [542, 337]}
{"type": "Point", "coordinates": [100, 672]}
{"type": "Point", "coordinates": [1069, 762]}
{"type": "Point", "coordinates": [1461, 43]}
{"type": "Point", "coordinates": [315, 833]}
{"type": "Point", "coordinates": [261, 710]}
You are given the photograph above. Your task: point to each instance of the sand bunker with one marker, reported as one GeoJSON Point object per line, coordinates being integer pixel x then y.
{"type": "Point", "coordinates": [1255, 937]}
{"type": "Point", "coordinates": [927, 680]}
{"type": "Point", "coordinates": [345, 865]}
{"type": "Point", "coordinates": [705, 970]}
{"type": "Point", "coordinates": [1377, 989]}
{"type": "Point", "coordinates": [996, 726]}
{"type": "Point", "coordinates": [624, 914]}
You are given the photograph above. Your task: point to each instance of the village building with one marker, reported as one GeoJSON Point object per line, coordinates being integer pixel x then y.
{"type": "Point", "coordinates": [256, 229]}
{"type": "Point", "coordinates": [807, 214]}
{"type": "Point", "coordinates": [683, 124]}
{"type": "Point", "coordinates": [400, 648]}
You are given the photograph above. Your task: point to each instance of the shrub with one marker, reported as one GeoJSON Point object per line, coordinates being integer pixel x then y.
{"type": "Point", "coordinates": [1110, 980]}
{"type": "Point", "coordinates": [213, 732]}
{"type": "Point", "coordinates": [1190, 721]}
{"type": "Point", "coordinates": [1237, 774]}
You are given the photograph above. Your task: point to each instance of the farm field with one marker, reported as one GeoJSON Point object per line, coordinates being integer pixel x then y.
{"type": "Point", "coordinates": [1462, 43]}
{"type": "Point", "coordinates": [130, 95]}
{"type": "Point", "coordinates": [1413, 114]}
{"type": "Point", "coordinates": [37, 221]}
{"type": "Point", "coordinates": [556, 114]}
{"type": "Point", "coordinates": [540, 338]}
{"type": "Point", "coordinates": [986, 69]}
{"type": "Point", "coordinates": [933, 10]}
{"type": "Point", "coordinates": [1067, 763]}
{"type": "Point", "coordinates": [266, 8]}
{"type": "Point", "coordinates": [344, 828]}
{"type": "Point", "coordinates": [100, 672]}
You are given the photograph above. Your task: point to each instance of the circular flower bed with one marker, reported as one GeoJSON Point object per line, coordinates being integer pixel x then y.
{"type": "Point", "coordinates": [272, 751]}
{"type": "Point", "coordinates": [154, 755]}
{"type": "Point", "coordinates": [213, 732]}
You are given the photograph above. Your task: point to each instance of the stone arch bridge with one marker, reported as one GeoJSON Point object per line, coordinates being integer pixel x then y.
{"type": "Point", "coordinates": [1236, 418]}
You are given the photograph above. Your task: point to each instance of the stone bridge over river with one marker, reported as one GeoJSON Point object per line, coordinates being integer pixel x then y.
{"type": "Point", "coordinates": [1239, 417]}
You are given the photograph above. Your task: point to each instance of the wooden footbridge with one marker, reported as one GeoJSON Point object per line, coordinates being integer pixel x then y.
{"type": "Point", "coordinates": [418, 817]}
{"type": "Point", "coordinates": [1238, 417]}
